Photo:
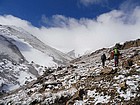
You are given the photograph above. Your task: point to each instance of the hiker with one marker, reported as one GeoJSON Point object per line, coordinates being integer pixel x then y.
{"type": "Point", "coordinates": [103, 58]}
{"type": "Point", "coordinates": [111, 55]}
{"type": "Point", "coordinates": [116, 56]}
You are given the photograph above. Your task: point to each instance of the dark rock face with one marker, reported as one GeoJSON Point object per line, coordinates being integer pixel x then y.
{"type": "Point", "coordinates": [127, 63]}
{"type": "Point", "coordinates": [62, 100]}
{"type": "Point", "coordinates": [119, 46]}
{"type": "Point", "coordinates": [77, 96]}
{"type": "Point", "coordinates": [35, 102]}
{"type": "Point", "coordinates": [11, 52]}
{"type": "Point", "coordinates": [81, 93]}
{"type": "Point", "coordinates": [129, 44]}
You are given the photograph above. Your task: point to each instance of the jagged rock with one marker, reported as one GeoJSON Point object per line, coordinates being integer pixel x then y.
{"type": "Point", "coordinates": [129, 44]}
{"type": "Point", "coordinates": [138, 63]}
{"type": "Point", "coordinates": [127, 63]}
{"type": "Point", "coordinates": [48, 71]}
{"type": "Point", "coordinates": [82, 62]}
{"type": "Point", "coordinates": [136, 59]}
{"type": "Point", "coordinates": [59, 68]}
{"type": "Point", "coordinates": [41, 90]}
{"type": "Point", "coordinates": [112, 92]}
{"type": "Point", "coordinates": [114, 71]}
{"type": "Point", "coordinates": [123, 86]}
{"type": "Point", "coordinates": [29, 92]}
{"type": "Point", "coordinates": [52, 83]}
{"type": "Point", "coordinates": [72, 67]}
{"type": "Point", "coordinates": [40, 80]}
{"type": "Point", "coordinates": [130, 62]}
{"type": "Point", "coordinates": [49, 85]}
{"type": "Point", "coordinates": [136, 53]}
{"type": "Point", "coordinates": [78, 96]}
{"type": "Point", "coordinates": [118, 45]}
{"type": "Point", "coordinates": [81, 93]}
{"type": "Point", "coordinates": [29, 85]}
{"type": "Point", "coordinates": [35, 102]}
{"type": "Point", "coordinates": [108, 70]}
{"type": "Point", "coordinates": [133, 72]}
{"type": "Point", "coordinates": [62, 100]}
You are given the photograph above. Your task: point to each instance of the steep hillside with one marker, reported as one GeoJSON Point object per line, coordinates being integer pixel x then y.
{"type": "Point", "coordinates": [23, 57]}
{"type": "Point", "coordinates": [14, 70]}
{"type": "Point", "coordinates": [85, 81]}
{"type": "Point", "coordinates": [25, 37]}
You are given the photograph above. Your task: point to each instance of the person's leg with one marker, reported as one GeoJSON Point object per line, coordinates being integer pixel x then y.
{"type": "Point", "coordinates": [115, 60]}
{"type": "Point", "coordinates": [102, 63]}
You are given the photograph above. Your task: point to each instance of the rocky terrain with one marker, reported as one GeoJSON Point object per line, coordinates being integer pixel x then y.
{"type": "Point", "coordinates": [14, 69]}
{"type": "Point", "coordinates": [85, 82]}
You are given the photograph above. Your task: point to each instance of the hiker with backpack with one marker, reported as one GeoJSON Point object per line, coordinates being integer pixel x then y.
{"type": "Point", "coordinates": [116, 56]}
{"type": "Point", "coordinates": [103, 58]}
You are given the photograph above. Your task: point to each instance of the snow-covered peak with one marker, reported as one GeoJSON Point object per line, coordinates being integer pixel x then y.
{"type": "Point", "coordinates": [29, 42]}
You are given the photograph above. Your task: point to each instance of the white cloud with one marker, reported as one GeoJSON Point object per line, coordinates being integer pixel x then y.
{"type": "Point", "coordinates": [84, 34]}
{"type": "Point", "coordinates": [129, 5]}
{"type": "Point", "coordinates": [90, 2]}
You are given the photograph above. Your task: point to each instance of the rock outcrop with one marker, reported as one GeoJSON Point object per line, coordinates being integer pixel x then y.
{"type": "Point", "coordinates": [130, 44]}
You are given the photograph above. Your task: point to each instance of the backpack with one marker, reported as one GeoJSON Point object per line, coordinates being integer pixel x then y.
{"type": "Point", "coordinates": [116, 52]}
{"type": "Point", "coordinates": [103, 57]}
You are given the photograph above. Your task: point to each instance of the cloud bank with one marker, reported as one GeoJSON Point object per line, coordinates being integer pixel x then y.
{"type": "Point", "coordinates": [66, 33]}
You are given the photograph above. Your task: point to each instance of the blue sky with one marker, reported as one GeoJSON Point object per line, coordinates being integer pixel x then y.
{"type": "Point", "coordinates": [33, 10]}
{"type": "Point", "coordinates": [80, 25]}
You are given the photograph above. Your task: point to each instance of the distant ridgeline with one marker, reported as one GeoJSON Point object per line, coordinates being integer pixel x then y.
{"type": "Point", "coordinates": [128, 44]}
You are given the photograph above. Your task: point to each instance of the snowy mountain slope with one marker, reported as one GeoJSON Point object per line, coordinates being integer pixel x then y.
{"type": "Point", "coordinates": [23, 57]}
{"type": "Point", "coordinates": [14, 70]}
{"type": "Point", "coordinates": [14, 75]}
{"type": "Point", "coordinates": [85, 81]}
{"type": "Point", "coordinates": [57, 56]}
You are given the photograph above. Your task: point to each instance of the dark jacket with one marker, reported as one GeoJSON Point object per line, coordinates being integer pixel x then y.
{"type": "Point", "coordinates": [103, 57]}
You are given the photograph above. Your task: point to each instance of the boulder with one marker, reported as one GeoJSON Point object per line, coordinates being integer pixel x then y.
{"type": "Point", "coordinates": [127, 63]}
{"type": "Point", "coordinates": [123, 86]}
{"type": "Point", "coordinates": [108, 70]}
{"type": "Point", "coordinates": [77, 96]}
{"type": "Point", "coordinates": [130, 44]}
